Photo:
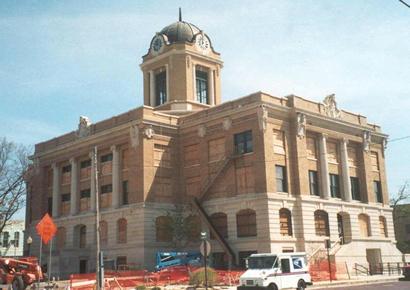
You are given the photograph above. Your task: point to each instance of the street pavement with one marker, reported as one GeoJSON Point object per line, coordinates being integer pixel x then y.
{"type": "Point", "coordinates": [396, 285]}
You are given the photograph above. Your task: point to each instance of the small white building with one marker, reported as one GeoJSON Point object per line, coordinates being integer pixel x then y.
{"type": "Point", "coordinates": [12, 239]}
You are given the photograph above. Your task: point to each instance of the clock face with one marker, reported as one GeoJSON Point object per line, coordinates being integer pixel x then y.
{"type": "Point", "coordinates": [157, 44]}
{"type": "Point", "coordinates": [202, 42]}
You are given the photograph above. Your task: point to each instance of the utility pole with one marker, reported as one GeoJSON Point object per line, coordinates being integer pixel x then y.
{"type": "Point", "coordinates": [99, 271]}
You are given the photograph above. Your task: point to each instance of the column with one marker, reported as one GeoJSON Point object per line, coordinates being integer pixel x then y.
{"type": "Point", "coordinates": [324, 168]}
{"type": "Point", "coordinates": [115, 176]}
{"type": "Point", "coordinates": [56, 189]}
{"type": "Point", "coordinates": [152, 88]}
{"type": "Point", "coordinates": [167, 80]}
{"type": "Point", "coordinates": [211, 87]}
{"type": "Point", "coordinates": [347, 194]}
{"type": "Point", "coordinates": [93, 185]}
{"type": "Point", "coordinates": [74, 187]}
{"type": "Point", "coordinates": [194, 81]}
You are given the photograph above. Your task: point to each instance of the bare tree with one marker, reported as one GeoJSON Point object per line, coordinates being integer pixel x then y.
{"type": "Point", "coordinates": [402, 196]}
{"type": "Point", "coordinates": [14, 173]}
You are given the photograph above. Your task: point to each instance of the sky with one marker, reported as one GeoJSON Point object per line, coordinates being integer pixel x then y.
{"type": "Point", "coordinates": [63, 59]}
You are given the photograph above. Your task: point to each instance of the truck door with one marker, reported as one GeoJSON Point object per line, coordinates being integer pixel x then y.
{"type": "Point", "coordinates": [285, 277]}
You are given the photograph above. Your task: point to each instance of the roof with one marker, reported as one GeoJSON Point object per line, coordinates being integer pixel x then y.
{"type": "Point", "coordinates": [180, 31]}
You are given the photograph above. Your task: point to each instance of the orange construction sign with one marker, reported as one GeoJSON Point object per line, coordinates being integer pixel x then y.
{"type": "Point", "coordinates": [46, 228]}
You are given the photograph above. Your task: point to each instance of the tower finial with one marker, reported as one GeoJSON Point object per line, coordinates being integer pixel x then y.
{"type": "Point", "coordinates": [180, 14]}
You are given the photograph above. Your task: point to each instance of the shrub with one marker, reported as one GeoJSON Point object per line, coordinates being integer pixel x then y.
{"type": "Point", "coordinates": [140, 287]}
{"type": "Point", "coordinates": [156, 288]}
{"type": "Point", "coordinates": [197, 277]}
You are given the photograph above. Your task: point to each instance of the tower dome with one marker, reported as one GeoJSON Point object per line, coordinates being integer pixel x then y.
{"type": "Point", "coordinates": [180, 31]}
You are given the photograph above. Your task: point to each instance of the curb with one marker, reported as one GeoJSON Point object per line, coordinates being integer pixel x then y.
{"type": "Point", "coordinates": [355, 282]}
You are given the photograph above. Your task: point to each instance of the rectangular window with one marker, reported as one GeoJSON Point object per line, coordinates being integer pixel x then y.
{"type": "Point", "coordinates": [160, 88]}
{"type": "Point", "coordinates": [125, 192]}
{"type": "Point", "coordinates": [66, 169]}
{"type": "Point", "coordinates": [334, 185]}
{"type": "Point", "coordinates": [65, 197]}
{"type": "Point", "coordinates": [16, 239]}
{"type": "Point", "coordinates": [243, 142]}
{"type": "Point", "coordinates": [6, 236]}
{"type": "Point", "coordinates": [50, 205]}
{"type": "Point", "coordinates": [378, 191]}
{"type": "Point", "coordinates": [85, 163]}
{"type": "Point", "coordinates": [242, 256]}
{"type": "Point", "coordinates": [375, 161]}
{"type": "Point", "coordinates": [355, 188]}
{"type": "Point", "coordinates": [202, 86]}
{"type": "Point", "coordinates": [106, 158]}
{"type": "Point", "coordinates": [106, 188]}
{"type": "Point", "coordinates": [122, 263]}
{"type": "Point", "coordinates": [285, 265]}
{"type": "Point", "coordinates": [85, 193]}
{"type": "Point", "coordinates": [313, 183]}
{"type": "Point", "coordinates": [281, 182]}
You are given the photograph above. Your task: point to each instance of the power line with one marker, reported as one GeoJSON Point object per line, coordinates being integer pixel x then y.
{"type": "Point", "coordinates": [405, 3]}
{"type": "Point", "coordinates": [401, 138]}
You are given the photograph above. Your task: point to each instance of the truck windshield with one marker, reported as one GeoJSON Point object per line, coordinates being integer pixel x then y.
{"type": "Point", "coordinates": [262, 262]}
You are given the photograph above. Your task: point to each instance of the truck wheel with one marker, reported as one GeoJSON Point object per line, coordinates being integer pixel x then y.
{"type": "Point", "coordinates": [272, 287]}
{"type": "Point", "coordinates": [18, 283]}
{"type": "Point", "coordinates": [301, 285]}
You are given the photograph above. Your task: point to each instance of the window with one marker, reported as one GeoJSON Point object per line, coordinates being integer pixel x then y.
{"type": "Point", "coordinates": [375, 161]}
{"type": "Point", "coordinates": [122, 263]}
{"type": "Point", "coordinates": [242, 256]}
{"type": "Point", "coordinates": [243, 142]}
{"type": "Point", "coordinates": [6, 237]}
{"type": "Point", "coordinates": [313, 183]}
{"type": "Point", "coordinates": [163, 229]}
{"type": "Point", "coordinates": [65, 197]}
{"type": "Point", "coordinates": [278, 142]}
{"type": "Point", "coordinates": [16, 239]}
{"type": "Point", "coordinates": [106, 158]}
{"type": "Point", "coordinates": [103, 232]}
{"type": "Point", "coordinates": [321, 223]}
{"type": "Point", "coordinates": [106, 188]}
{"type": "Point", "coordinates": [50, 205]}
{"type": "Point", "coordinates": [298, 263]}
{"type": "Point", "coordinates": [85, 163]}
{"type": "Point", "coordinates": [66, 169]}
{"type": "Point", "coordinates": [220, 222]}
{"type": "Point", "coordinates": [246, 223]}
{"type": "Point", "coordinates": [285, 265]}
{"type": "Point", "coordinates": [285, 220]}
{"type": "Point", "coordinates": [281, 182]}
{"type": "Point", "coordinates": [355, 188]}
{"type": "Point", "coordinates": [202, 86]}
{"type": "Point", "coordinates": [83, 236]}
{"type": "Point", "coordinates": [122, 231]}
{"type": "Point", "coordinates": [125, 192]}
{"type": "Point", "coordinates": [334, 185]}
{"type": "Point", "coordinates": [61, 237]}
{"type": "Point", "coordinates": [193, 227]}
{"type": "Point", "coordinates": [85, 193]}
{"type": "Point", "coordinates": [383, 227]}
{"type": "Point", "coordinates": [160, 88]}
{"type": "Point", "coordinates": [378, 191]}
{"type": "Point", "coordinates": [364, 225]}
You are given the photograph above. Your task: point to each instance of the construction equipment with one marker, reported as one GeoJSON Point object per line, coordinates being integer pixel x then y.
{"type": "Point", "coordinates": [168, 259]}
{"type": "Point", "coordinates": [20, 273]}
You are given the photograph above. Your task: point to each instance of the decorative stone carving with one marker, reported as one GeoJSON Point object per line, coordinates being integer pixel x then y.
{"type": "Point", "coordinates": [84, 127]}
{"type": "Point", "coordinates": [134, 136]}
{"type": "Point", "coordinates": [202, 131]}
{"type": "Point", "coordinates": [384, 143]}
{"type": "Point", "coordinates": [227, 124]}
{"type": "Point", "coordinates": [366, 140]}
{"type": "Point", "coordinates": [149, 132]}
{"type": "Point", "coordinates": [262, 118]}
{"type": "Point", "coordinates": [188, 61]}
{"type": "Point", "coordinates": [301, 123]}
{"type": "Point", "coordinates": [331, 109]}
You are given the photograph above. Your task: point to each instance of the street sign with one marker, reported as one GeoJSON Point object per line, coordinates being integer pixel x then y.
{"type": "Point", "coordinates": [202, 248]}
{"type": "Point", "coordinates": [46, 228]}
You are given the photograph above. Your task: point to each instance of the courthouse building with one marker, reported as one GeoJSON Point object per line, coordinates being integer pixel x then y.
{"type": "Point", "coordinates": [260, 173]}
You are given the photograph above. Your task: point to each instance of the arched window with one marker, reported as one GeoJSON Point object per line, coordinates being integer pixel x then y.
{"type": "Point", "coordinates": [103, 232]}
{"type": "Point", "coordinates": [364, 225]}
{"type": "Point", "coordinates": [83, 236]}
{"type": "Point", "coordinates": [383, 227]}
{"type": "Point", "coordinates": [122, 231]}
{"type": "Point", "coordinates": [246, 223]}
{"type": "Point", "coordinates": [220, 222]}
{"type": "Point", "coordinates": [61, 236]}
{"type": "Point", "coordinates": [321, 223]}
{"type": "Point", "coordinates": [193, 227]}
{"type": "Point", "coordinates": [163, 229]}
{"type": "Point", "coordinates": [285, 220]}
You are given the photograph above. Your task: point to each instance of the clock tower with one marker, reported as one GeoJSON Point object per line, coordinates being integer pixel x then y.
{"type": "Point", "coordinates": [181, 70]}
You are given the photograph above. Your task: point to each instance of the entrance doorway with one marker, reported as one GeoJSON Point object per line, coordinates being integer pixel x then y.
{"type": "Point", "coordinates": [374, 258]}
{"type": "Point", "coordinates": [83, 266]}
{"type": "Point", "coordinates": [340, 228]}
{"type": "Point", "coordinates": [344, 228]}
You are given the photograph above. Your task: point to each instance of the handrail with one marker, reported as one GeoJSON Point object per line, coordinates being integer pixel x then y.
{"type": "Point", "coordinates": [314, 253]}
{"type": "Point", "coordinates": [361, 269]}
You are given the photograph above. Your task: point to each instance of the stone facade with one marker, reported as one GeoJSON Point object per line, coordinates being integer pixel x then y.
{"type": "Point", "coordinates": [281, 174]}
{"type": "Point", "coordinates": [12, 239]}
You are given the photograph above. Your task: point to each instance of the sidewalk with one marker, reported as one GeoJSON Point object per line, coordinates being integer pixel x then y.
{"type": "Point", "coordinates": [356, 281]}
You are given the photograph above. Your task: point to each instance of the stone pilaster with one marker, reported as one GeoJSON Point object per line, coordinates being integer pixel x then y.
{"type": "Point", "coordinates": [211, 87]}
{"type": "Point", "coordinates": [56, 189]}
{"type": "Point", "coordinates": [152, 88]}
{"type": "Point", "coordinates": [115, 176]}
{"type": "Point", "coordinates": [324, 168]}
{"type": "Point", "coordinates": [74, 187]}
{"type": "Point", "coordinates": [347, 193]}
{"type": "Point", "coordinates": [93, 185]}
{"type": "Point", "coordinates": [194, 81]}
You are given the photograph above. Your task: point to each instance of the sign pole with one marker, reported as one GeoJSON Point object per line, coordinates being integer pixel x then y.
{"type": "Point", "coordinates": [41, 250]}
{"type": "Point", "coordinates": [98, 268]}
{"type": "Point", "coordinates": [49, 267]}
